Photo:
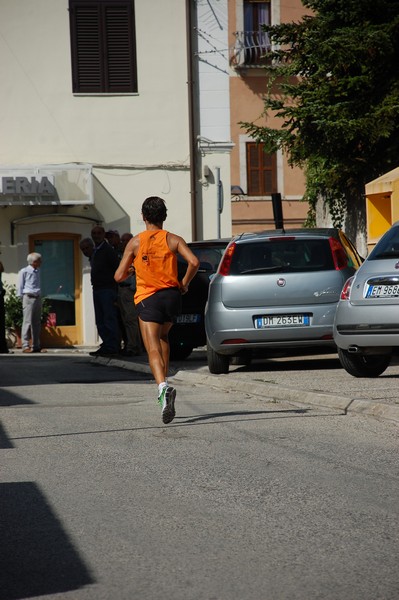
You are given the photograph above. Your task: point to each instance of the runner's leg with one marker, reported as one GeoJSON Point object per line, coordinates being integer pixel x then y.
{"type": "Point", "coordinates": [155, 339]}
{"type": "Point", "coordinates": [165, 348]}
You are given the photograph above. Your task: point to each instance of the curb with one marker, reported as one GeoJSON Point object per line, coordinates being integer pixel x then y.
{"type": "Point", "coordinates": [387, 412]}
{"type": "Point", "coordinates": [272, 392]}
{"type": "Point", "coordinates": [275, 393]}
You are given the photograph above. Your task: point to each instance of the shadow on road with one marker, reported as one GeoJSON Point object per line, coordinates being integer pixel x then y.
{"type": "Point", "coordinates": [36, 555]}
{"type": "Point", "coordinates": [236, 413]}
{"type": "Point", "coordinates": [5, 443]}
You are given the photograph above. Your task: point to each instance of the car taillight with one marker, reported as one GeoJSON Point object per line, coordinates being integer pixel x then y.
{"type": "Point", "coordinates": [339, 255]}
{"type": "Point", "coordinates": [224, 268]}
{"type": "Point", "coordinates": [346, 290]}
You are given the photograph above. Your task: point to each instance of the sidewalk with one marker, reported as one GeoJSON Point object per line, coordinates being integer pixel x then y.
{"type": "Point", "coordinates": [301, 380]}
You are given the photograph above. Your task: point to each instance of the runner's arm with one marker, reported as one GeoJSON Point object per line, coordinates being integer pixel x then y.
{"type": "Point", "coordinates": [192, 264]}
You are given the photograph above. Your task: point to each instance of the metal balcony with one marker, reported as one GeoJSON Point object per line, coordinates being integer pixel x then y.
{"type": "Point", "coordinates": [249, 49]}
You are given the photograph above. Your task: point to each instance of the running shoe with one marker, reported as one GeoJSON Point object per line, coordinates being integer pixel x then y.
{"type": "Point", "coordinates": [167, 403]}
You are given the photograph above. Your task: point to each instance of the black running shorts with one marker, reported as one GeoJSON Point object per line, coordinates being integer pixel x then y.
{"type": "Point", "coordinates": [161, 307]}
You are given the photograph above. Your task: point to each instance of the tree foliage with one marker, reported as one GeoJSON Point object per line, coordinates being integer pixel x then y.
{"type": "Point", "coordinates": [333, 80]}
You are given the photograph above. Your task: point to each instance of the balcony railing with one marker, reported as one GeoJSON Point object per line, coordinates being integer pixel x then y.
{"type": "Point", "coordinates": [249, 49]}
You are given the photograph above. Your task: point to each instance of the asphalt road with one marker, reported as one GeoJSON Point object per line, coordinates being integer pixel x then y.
{"type": "Point", "coordinates": [239, 498]}
{"type": "Point", "coordinates": [316, 379]}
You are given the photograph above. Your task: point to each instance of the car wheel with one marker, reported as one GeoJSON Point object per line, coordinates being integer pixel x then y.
{"type": "Point", "coordinates": [180, 352]}
{"type": "Point", "coordinates": [217, 363]}
{"type": "Point", "coordinates": [360, 365]}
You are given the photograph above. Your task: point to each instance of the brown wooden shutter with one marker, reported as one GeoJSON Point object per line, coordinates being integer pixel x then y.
{"type": "Point", "coordinates": [261, 171]}
{"type": "Point", "coordinates": [120, 68]}
{"type": "Point", "coordinates": [103, 46]}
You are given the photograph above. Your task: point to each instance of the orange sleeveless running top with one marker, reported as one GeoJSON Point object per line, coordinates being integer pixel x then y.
{"type": "Point", "coordinates": [155, 265]}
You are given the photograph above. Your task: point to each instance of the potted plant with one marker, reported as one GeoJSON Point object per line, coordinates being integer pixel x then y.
{"type": "Point", "coordinates": [14, 312]}
{"type": "Point", "coordinates": [12, 307]}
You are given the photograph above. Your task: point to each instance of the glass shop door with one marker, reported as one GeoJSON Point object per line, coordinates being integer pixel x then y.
{"type": "Point", "coordinates": [61, 285]}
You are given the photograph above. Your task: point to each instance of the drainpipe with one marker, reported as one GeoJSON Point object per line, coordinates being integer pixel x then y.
{"type": "Point", "coordinates": [219, 201]}
{"type": "Point", "coordinates": [191, 120]}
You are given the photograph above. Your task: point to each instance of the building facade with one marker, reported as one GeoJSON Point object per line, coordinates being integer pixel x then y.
{"type": "Point", "coordinates": [104, 103]}
{"type": "Point", "coordinates": [255, 175]}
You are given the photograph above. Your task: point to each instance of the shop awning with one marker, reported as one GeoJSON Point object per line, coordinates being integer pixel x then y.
{"type": "Point", "coordinates": [113, 215]}
{"type": "Point", "coordinates": [62, 188]}
{"type": "Point", "coordinates": [40, 185]}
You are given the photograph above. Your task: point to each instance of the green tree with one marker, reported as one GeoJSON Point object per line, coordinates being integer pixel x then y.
{"type": "Point", "coordinates": [333, 80]}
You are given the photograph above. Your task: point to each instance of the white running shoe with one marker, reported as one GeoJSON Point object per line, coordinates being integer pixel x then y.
{"type": "Point", "coordinates": [167, 403]}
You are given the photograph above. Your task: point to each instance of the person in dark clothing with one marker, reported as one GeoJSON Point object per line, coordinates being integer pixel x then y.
{"type": "Point", "coordinates": [114, 240]}
{"type": "Point", "coordinates": [104, 262]}
{"type": "Point", "coordinates": [87, 247]}
{"type": "Point", "coordinates": [3, 341]}
{"type": "Point", "coordinates": [126, 290]}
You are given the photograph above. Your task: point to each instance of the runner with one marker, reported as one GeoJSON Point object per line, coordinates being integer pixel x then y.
{"type": "Point", "coordinates": [153, 255]}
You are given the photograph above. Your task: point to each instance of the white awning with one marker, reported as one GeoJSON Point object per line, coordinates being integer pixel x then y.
{"type": "Point", "coordinates": [46, 185]}
{"type": "Point", "coordinates": [113, 215]}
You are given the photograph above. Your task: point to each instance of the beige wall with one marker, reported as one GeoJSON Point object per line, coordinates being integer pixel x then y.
{"type": "Point", "coordinates": [43, 121]}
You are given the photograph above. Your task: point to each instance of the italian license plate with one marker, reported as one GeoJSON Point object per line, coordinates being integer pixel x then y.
{"type": "Point", "coordinates": [282, 321]}
{"type": "Point", "coordinates": [382, 291]}
{"type": "Point", "coordinates": [188, 318]}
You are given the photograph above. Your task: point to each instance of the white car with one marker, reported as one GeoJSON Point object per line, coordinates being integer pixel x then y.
{"type": "Point", "coordinates": [366, 325]}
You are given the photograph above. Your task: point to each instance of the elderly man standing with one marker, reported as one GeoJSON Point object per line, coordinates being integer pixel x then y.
{"type": "Point", "coordinates": [28, 289]}
{"type": "Point", "coordinates": [104, 262]}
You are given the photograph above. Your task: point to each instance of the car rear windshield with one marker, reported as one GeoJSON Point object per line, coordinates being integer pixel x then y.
{"type": "Point", "coordinates": [388, 246]}
{"type": "Point", "coordinates": [299, 255]}
{"type": "Point", "coordinates": [209, 256]}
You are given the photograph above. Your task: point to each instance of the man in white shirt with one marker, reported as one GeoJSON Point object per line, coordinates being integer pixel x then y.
{"type": "Point", "coordinates": [28, 289]}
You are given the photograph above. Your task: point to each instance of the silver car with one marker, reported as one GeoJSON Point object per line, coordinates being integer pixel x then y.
{"type": "Point", "coordinates": [276, 289]}
{"type": "Point", "coordinates": [366, 327]}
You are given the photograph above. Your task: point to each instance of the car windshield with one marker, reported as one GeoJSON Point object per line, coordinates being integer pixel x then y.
{"type": "Point", "coordinates": [387, 247]}
{"type": "Point", "coordinates": [282, 256]}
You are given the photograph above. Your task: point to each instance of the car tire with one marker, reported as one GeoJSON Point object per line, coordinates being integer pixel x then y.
{"type": "Point", "coordinates": [218, 364]}
{"type": "Point", "coordinates": [180, 352]}
{"type": "Point", "coordinates": [362, 365]}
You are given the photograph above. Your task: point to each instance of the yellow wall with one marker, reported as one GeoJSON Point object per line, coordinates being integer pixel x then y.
{"type": "Point", "coordinates": [379, 216]}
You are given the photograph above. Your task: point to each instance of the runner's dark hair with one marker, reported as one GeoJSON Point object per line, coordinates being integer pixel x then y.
{"type": "Point", "coordinates": [154, 210]}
